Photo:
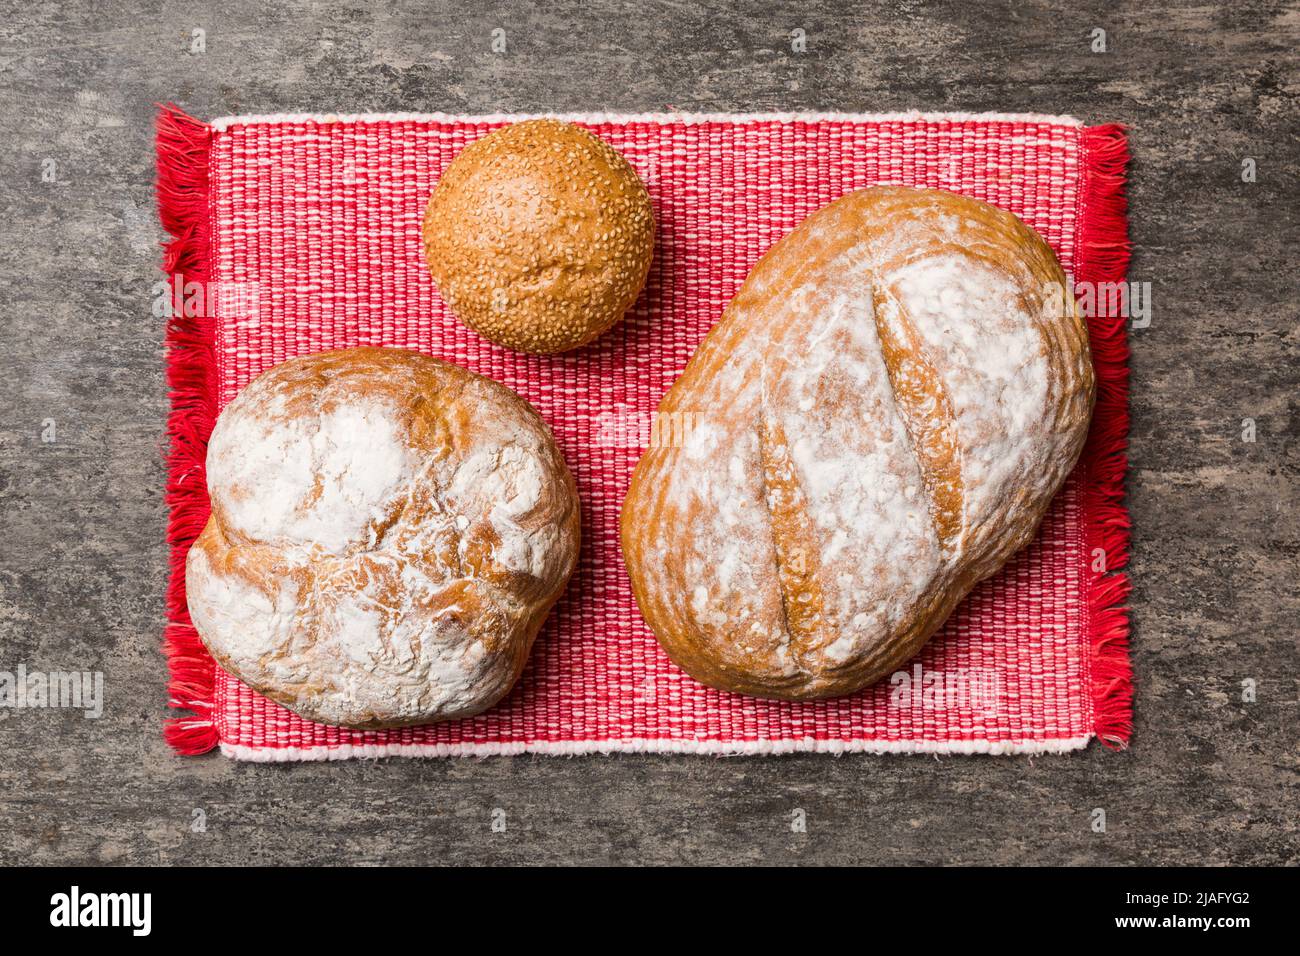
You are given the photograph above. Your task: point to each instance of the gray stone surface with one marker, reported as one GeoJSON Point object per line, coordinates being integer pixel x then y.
{"type": "Point", "coordinates": [1209, 779]}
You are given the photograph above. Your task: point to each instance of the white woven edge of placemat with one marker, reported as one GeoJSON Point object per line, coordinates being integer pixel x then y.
{"type": "Point", "coordinates": [688, 119]}
{"type": "Point", "coordinates": [575, 748]}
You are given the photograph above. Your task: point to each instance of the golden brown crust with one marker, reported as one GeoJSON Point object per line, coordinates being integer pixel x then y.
{"type": "Point", "coordinates": [881, 418]}
{"type": "Point", "coordinates": [539, 236]}
{"type": "Point", "coordinates": [388, 534]}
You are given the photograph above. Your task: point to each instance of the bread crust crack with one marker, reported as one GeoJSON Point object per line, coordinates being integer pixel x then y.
{"type": "Point", "coordinates": [926, 411]}
{"type": "Point", "coordinates": [793, 540]}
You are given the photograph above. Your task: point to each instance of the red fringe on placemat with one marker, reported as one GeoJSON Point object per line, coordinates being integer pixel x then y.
{"type": "Point", "coordinates": [1104, 254]}
{"type": "Point", "coordinates": [182, 149]}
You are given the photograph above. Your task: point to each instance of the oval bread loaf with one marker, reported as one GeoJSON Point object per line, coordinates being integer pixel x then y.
{"type": "Point", "coordinates": [388, 533]}
{"type": "Point", "coordinates": [877, 423]}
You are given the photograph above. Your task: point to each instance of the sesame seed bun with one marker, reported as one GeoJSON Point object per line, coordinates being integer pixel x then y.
{"type": "Point", "coordinates": [539, 236]}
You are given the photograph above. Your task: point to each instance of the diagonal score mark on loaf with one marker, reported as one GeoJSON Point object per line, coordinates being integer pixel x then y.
{"type": "Point", "coordinates": [793, 537]}
{"type": "Point", "coordinates": [923, 403]}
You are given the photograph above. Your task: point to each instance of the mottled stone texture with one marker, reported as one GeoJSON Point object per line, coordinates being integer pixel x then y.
{"type": "Point", "coordinates": [82, 564]}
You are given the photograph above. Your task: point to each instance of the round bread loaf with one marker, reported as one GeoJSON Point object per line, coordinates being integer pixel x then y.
{"type": "Point", "coordinates": [388, 533]}
{"type": "Point", "coordinates": [539, 236]}
{"type": "Point", "coordinates": [878, 422]}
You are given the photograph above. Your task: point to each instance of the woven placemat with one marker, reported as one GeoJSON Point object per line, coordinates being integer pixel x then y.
{"type": "Point", "coordinates": [296, 234]}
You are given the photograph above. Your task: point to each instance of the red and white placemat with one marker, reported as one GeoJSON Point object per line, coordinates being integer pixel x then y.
{"type": "Point", "coordinates": [296, 234]}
